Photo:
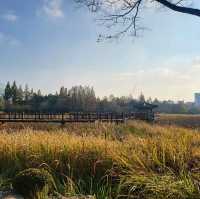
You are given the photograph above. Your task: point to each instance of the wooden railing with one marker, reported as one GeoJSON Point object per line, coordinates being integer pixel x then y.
{"type": "Point", "coordinates": [71, 117]}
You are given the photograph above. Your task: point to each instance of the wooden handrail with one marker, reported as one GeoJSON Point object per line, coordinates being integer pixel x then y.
{"type": "Point", "coordinates": [73, 117]}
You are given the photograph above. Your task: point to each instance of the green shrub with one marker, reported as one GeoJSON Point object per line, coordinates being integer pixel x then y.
{"type": "Point", "coordinates": [33, 182]}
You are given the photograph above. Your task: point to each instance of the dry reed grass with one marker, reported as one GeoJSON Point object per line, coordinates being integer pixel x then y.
{"type": "Point", "coordinates": [133, 160]}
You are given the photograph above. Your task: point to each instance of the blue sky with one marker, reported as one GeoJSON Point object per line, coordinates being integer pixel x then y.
{"type": "Point", "coordinates": [50, 43]}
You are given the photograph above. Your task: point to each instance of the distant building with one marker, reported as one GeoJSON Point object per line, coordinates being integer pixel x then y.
{"type": "Point", "coordinates": [197, 99]}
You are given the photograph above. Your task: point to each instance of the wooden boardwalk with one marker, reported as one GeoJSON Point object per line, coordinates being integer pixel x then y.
{"type": "Point", "coordinates": [62, 117]}
{"type": "Point", "coordinates": [70, 117]}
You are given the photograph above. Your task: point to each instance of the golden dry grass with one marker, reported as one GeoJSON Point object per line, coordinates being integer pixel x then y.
{"type": "Point", "coordinates": [184, 120]}
{"type": "Point", "coordinates": [135, 160]}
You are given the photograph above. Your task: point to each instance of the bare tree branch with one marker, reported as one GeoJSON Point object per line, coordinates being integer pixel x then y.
{"type": "Point", "coordinates": [123, 15]}
{"type": "Point", "coordinates": [181, 9]}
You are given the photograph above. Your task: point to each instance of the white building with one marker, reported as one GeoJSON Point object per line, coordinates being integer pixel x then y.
{"type": "Point", "coordinates": [197, 99]}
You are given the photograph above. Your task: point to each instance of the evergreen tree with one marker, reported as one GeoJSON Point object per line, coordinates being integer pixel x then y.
{"type": "Point", "coordinates": [14, 92]}
{"type": "Point", "coordinates": [20, 94]}
{"type": "Point", "coordinates": [26, 93]}
{"type": "Point", "coordinates": [7, 92]}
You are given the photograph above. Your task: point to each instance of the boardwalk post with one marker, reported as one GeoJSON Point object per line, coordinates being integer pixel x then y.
{"type": "Point", "coordinates": [62, 118]}
{"type": "Point", "coordinates": [122, 117]}
{"type": "Point", "coordinates": [89, 117]}
{"type": "Point", "coordinates": [62, 121]}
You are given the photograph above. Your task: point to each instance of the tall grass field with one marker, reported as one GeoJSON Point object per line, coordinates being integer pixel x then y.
{"type": "Point", "coordinates": [133, 160]}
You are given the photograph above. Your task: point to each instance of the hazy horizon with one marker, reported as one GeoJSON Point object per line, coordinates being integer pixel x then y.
{"type": "Point", "coordinates": [2, 87]}
{"type": "Point", "coordinates": [48, 45]}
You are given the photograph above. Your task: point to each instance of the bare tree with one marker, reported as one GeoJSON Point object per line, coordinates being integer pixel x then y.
{"type": "Point", "coordinates": [123, 15]}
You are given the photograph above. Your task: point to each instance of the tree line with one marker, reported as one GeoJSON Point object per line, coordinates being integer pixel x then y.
{"type": "Point", "coordinates": [76, 99]}
{"type": "Point", "coordinates": [79, 99]}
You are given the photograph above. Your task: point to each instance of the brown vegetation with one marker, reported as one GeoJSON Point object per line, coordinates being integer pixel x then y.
{"type": "Point", "coordinates": [133, 160]}
{"type": "Point", "coordinates": [184, 120]}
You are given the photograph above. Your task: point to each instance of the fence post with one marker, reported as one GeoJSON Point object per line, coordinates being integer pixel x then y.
{"type": "Point", "coordinates": [89, 117]}
{"type": "Point", "coordinates": [62, 117]}
{"type": "Point", "coordinates": [122, 118]}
